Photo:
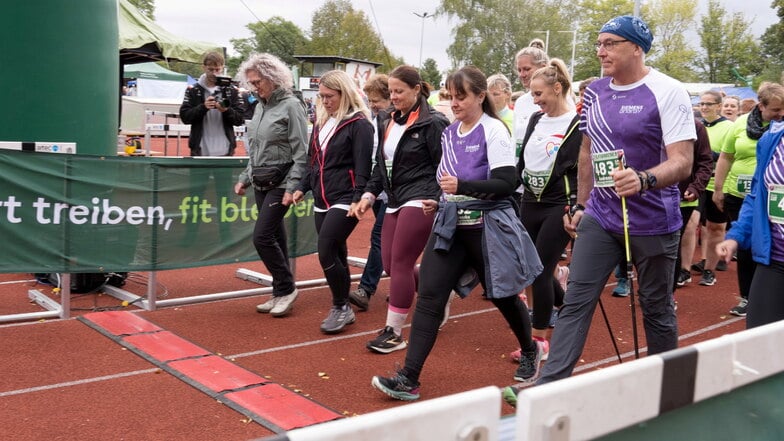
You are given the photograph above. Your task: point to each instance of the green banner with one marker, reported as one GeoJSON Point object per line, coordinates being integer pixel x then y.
{"type": "Point", "coordinates": [70, 213]}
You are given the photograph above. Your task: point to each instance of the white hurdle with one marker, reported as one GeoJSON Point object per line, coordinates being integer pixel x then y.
{"type": "Point", "coordinates": [466, 416]}
{"type": "Point", "coordinates": [581, 407]}
{"type": "Point", "coordinates": [604, 401]}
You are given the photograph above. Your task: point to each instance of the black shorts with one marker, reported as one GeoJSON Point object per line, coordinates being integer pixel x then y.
{"type": "Point", "coordinates": [686, 215]}
{"type": "Point", "coordinates": [710, 211]}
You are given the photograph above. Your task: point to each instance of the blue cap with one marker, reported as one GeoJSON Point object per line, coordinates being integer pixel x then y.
{"type": "Point", "coordinates": [631, 28]}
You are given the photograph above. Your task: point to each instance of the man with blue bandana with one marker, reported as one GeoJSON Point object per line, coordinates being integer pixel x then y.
{"type": "Point", "coordinates": [638, 139]}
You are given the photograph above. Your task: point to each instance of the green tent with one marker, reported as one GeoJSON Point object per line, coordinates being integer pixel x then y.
{"type": "Point", "coordinates": [152, 71]}
{"type": "Point", "coordinates": [142, 40]}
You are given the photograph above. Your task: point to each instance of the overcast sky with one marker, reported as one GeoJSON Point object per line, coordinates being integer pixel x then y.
{"type": "Point", "coordinates": [219, 21]}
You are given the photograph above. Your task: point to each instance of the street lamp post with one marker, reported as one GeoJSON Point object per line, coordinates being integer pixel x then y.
{"type": "Point", "coordinates": [574, 48]}
{"type": "Point", "coordinates": [546, 39]}
{"type": "Point", "coordinates": [423, 16]}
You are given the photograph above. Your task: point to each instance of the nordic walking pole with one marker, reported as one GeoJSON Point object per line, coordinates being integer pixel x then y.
{"type": "Point", "coordinates": [572, 201]}
{"type": "Point", "coordinates": [629, 270]}
{"type": "Point", "coordinates": [609, 329]}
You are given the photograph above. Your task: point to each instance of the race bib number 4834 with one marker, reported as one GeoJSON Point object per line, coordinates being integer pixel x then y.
{"type": "Point", "coordinates": [603, 164]}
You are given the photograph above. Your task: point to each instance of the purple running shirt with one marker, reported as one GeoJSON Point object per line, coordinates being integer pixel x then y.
{"type": "Point", "coordinates": [774, 178]}
{"type": "Point", "coordinates": [639, 119]}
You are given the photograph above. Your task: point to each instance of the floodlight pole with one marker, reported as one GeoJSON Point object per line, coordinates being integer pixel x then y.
{"type": "Point", "coordinates": [574, 48]}
{"type": "Point", "coordinates": [423, 16]}
{"type": "Point", "coordinates": [546, 40]}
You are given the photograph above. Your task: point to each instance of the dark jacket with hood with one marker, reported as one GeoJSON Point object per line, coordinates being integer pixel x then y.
{"type": "Point", "coordinates": [338, 172]}
{"type": "Point", "coordinates": [415, 160]}
{"type": "Point", "coordinates": [702, 166]}
{"type": "Point", "coordinates": [192, 111]}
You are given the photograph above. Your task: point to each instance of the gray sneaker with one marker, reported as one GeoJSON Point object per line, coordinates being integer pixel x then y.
{"type": "Point", "coordinates": [360, 298]}
{"type": "Point", "coordinates": [284, 304]}
{"type": "Point", "coordinates": [337, 319]}
{"type": "Point", "coordinates": [267, 306]}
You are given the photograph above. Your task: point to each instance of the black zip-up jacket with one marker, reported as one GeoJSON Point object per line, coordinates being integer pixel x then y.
{"type": "Point", "coordinates": [192, 112]}
{"type": "Point", "coordinates": [415, 161]}
{"type": "Point", "coordinates": [562, 186]}
{"type": "Point", "coordinates": [339, 174]}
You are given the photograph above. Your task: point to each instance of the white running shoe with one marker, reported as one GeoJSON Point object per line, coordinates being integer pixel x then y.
{"type": "Point", "coordinates": [284, 304]}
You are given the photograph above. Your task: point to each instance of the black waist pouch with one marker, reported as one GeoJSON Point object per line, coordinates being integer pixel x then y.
{"type": "Point", "coordinates": [267, 177]}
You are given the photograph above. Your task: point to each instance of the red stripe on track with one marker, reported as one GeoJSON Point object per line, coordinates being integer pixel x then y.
{"type": "Point", "coordinates": [121, 322]}
{"type": "Point", "coordinates": [165, 346]}
{"type": "Point", "coordinates": [282, 407]}
{"type": "Point", "coordinates": [269, 404]}
{"type": "Point", "coordinates": [217, 373]}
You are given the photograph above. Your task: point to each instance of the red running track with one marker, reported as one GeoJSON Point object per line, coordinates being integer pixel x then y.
{"type": "Point", "coordinates": [64, 380]}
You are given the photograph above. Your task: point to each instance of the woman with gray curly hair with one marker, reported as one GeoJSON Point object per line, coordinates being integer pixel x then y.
{"type": "Point", "coordinates": [277, 150]}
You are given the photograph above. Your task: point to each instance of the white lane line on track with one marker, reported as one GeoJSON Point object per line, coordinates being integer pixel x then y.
{"type": "Point", "coordinates": [591, 365]}
{"type": "Point", "coordinates": [630, 354]}
{"type": "Point", "coordinates": [76, 382]}
{"type": "Point", "coordinates": [11, 282]}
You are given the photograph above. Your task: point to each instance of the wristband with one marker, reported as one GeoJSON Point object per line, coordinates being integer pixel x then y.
{"type": "Point", "coordinates": [369, 197]}
{"type": "Point", "coordinates": [643, 181]}
{"type": "Point", "coordinates": [575, 208]}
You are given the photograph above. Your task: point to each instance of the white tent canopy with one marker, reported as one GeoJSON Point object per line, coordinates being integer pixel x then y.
{"type": "Point", "coordinates": [155, 81]}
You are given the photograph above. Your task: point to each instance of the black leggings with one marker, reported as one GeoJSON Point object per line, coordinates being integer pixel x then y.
{"type": "Point", "coordinates": [269, 238]}
{"type": "Point", "coordinates": [333, 228]}
{"type": "Point", "coordinates": [544, 224]}
{"type": "Point", "coordinates": [746, 265]}
{"type": "Point", "coordinates": [438, 274]}
{"type": "Point", "coordinates": [766, 304]}
{"type": "Point", "coordinates": [686, 215]}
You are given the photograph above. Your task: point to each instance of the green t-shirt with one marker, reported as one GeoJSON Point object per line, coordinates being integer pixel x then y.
{"type": "Point", "coordinates": [744, 149]}
{"type": "Point", "coordinates": [507, 116]}
{"type": "Point", "coordinates": [717, 133]}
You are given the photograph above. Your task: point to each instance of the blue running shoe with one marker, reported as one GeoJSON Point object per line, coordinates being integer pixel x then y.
{"type": "Point", "coordinates": [622, 290]}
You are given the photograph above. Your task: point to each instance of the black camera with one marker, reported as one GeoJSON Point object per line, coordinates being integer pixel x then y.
{"type": "Point", "coordinates": [223, 92]}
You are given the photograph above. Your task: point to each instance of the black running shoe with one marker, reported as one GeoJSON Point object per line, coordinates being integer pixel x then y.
{"type": "Point", "coordinates": [708, 278]}
{"type": "Point", "coordinates": [398, 387]}
{"type": "Point", "coordinates": [387, 341]}
{"type": "Point", "coordinates": [528, 370]}
{"type": "Point", "coordinates": [684, 277]}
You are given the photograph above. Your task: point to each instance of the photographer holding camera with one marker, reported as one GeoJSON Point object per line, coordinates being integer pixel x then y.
{"type": "Point", "coordinates": [212, 107]}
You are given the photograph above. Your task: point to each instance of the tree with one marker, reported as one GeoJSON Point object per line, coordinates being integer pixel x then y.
{"type": "Point", "coordinates": [672, 54]}
{"type": "Point", "coordinates": [727, 44]}
{"type": "Point", "coordinates": [193, 69]}
{"type": "Point", "coordinates": [490, 32]}
{"type": "Point", "coordinates": [593, 15]}
{"type": "Point", "coordinates": [430, 73]}
{"type": "Point", "coordinates": [146, 7]}
{"type": "Point", "coordinates": [337, 29]}
{"type": "Point", "coordinates": [275, 36]}
{"type": "Point", "coordinates": [772, 47]}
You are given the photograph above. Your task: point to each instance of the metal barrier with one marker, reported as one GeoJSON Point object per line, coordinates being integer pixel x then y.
{"type": "Point", "coordinates": [178, 129]}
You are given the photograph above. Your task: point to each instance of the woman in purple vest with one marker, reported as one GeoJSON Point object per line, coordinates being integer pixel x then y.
{"type": "Point", "coordinates": [476, 233]}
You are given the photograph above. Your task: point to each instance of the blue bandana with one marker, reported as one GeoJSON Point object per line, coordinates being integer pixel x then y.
{"type": "Point", "coordinates": [631, 28]}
